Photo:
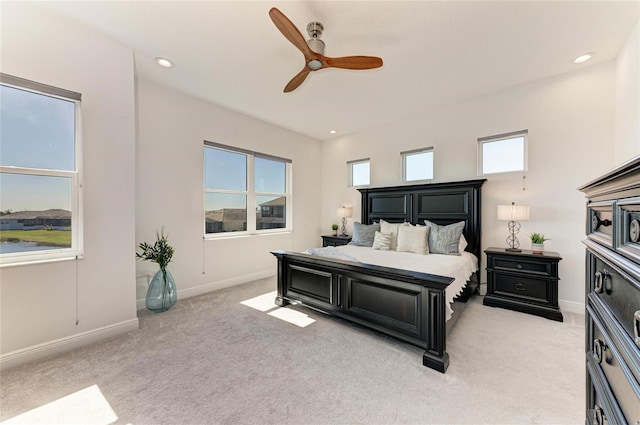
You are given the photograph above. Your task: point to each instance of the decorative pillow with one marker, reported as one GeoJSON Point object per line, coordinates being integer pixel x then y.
{"type": "Point", "coordinates": [445, 239]}
{"type": "Point", "coordinates": [392, 229]}
{"type": "Point", "coordinates": [364, 234]}
{"type": "Point", "coordinates": [382, 241]}
{"type": "Point", "coordinates": [462, 245]}
{"type": "Point", "coordinates": [413, 239]}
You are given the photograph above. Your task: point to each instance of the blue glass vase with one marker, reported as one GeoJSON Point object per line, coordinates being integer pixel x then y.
{"type": "Point", "coordinates": [162, 294]}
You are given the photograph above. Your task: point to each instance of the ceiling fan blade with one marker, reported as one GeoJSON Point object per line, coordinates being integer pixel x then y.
{"type": "Point", "coordinates": [290, 32]}
{"type": "Point", "coordinates": [354, 62]}
{"type": "Point", "coordinates": [297, 80]}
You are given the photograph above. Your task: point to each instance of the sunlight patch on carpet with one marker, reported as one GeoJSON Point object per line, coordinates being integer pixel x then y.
{"type": "Point", "coordinates": [262, 302]}
{"type": "Point", "coordinates": [87, 406]}
{"type": "Point", "coordinates": [266, 302]}
{"type": "Point", "coordinates": [292, 316]}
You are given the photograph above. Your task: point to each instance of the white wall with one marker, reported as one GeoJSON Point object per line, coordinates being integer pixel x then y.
{"type": "Point", "coordinates": [171, 129]}
{"type": "Point", "coordinates": [39, 302]}
{"type": "Point", "coordinates": [570, 122]}
{"type": "Point", "coordinates": [627, 130]}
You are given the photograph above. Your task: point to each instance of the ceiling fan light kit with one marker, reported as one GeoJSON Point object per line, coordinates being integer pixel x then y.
{"type": "Point", "coordinates": [313, 50]}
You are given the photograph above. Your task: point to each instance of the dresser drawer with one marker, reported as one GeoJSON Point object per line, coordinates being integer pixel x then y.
{"type": "Point", "coordinates": [606, 353]}
{"type": "Point", "coordinates": [628, 228]}
{"type": "Point", "coordinates": [521, 265]}
{"type": "Point", "coordinates": [602, 407]}
{"type": "Point", "coordinates": [600, 222]}
{"type": "Point", "coordinates": [619, 291]}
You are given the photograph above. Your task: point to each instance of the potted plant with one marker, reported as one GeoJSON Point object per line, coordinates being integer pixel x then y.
{"type": "Point", "coordinates": [537, 242]}
{"type": "Point", "coordinates": [162, 294]}
{"type": "Point", "coordinates": [334, 227]}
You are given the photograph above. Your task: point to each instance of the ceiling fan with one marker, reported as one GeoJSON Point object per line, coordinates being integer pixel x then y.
{"type": "Point", "coordinates": [313, 50]}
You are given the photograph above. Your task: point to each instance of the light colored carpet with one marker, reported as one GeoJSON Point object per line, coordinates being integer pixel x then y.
{"type": "Point", "coordinates": [213, 360]}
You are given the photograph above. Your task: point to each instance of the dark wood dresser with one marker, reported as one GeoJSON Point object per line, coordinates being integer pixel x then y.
{"type": "Point", "coordinates": [523, 281]}
{"type": "Point", "coordinates": [613, 296]}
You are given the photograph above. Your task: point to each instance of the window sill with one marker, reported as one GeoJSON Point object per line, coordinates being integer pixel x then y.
{"type": "Point", "coordinates": [30, 262]}
{"type": "Point", "coordinates": [222, 236]}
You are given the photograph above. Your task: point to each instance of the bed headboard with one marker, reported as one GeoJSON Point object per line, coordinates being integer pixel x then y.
{"type": "Point", "coordinates": [441, 203]}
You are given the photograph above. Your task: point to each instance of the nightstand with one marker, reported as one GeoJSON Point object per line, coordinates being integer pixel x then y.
{"type": "Point", "coordinates": [523, 281]}
{"type": "Point", "coordinates": [328, 240]}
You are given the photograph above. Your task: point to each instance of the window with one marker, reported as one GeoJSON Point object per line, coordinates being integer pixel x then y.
{"type": "Point", "coordinates": [234, 180]}
{"type": "Point", "coordinates": [39, 172]}
{"type": "Point", "coordinates": [417, 164]}
{"type": "Point", "coordinates": [503, 153]}
{"type": "Point", "coordinates": [359, 172]}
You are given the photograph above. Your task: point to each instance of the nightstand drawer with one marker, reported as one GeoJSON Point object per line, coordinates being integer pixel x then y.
{"type": "Point", "coordinates": [523, 265]}
{"type": "Point", "coordinates": [522, 287]}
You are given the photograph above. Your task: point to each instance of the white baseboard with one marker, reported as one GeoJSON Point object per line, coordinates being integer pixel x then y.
{"type": "Point", "coordinates": [47, 349]}
{"type": "Point", "coordinates": [571, 306]}
{"type": "Point", "coordinates": [214, 286]}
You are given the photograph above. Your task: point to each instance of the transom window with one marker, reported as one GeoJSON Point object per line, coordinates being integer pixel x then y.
{"type": "Point", "coordinates": [417, 164]}
{"type": "Point", "coordinates": [359, 171]}
{"type": "Point", "coordinates": [39, 172]}
{"type": "Point", "coordinates": [503, 153]}
{"type": "Point", "coordinates": [245, 192]}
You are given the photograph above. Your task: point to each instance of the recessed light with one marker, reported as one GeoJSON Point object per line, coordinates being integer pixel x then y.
{"type": "Point", "coordinates": [332, 131]}
{"type": "Point", "coordinates": [164, 62]}
{"type": "Point", "coordinates": [583, 58]}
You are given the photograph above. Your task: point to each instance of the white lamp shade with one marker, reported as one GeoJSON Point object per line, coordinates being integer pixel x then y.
{"type": "Point", "coordinates": [513, 212]}
{"type": "Point", "coordinates": [343, 212]}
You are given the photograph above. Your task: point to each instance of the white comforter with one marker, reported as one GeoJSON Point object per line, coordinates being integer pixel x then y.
{"type": "Point", "coordinates": [458, 267]}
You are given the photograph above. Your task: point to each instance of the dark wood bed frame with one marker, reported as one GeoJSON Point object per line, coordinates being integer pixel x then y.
{"type": "Point", "coordinates": [404, 304]}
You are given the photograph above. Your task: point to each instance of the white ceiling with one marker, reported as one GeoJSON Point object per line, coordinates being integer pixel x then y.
{"type": "Point", "coordinates": [434, 52]}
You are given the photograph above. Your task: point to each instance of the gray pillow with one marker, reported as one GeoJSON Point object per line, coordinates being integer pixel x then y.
{"type": "Point", "coordinates": [363, 234]}
{"type": "Point", "coordinates": [445, 239]}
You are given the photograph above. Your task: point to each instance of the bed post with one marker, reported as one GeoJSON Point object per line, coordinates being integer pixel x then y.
{"type": "Point", "coordinates": [282, 270]}
{"type": "Point", "coordinates": [435, 356]}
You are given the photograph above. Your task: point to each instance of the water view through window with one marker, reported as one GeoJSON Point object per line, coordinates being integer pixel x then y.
{"type": "Point", "coordinates": [37, 181]}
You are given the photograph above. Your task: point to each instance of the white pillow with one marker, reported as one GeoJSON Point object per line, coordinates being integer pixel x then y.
{"type": "Point", "coordinates": [392, 229]}
{"type": "Point", "coordinates": [462, 244]}
{"type": "Point", "coordinates": [413, 239]}
{"type": "Point", "coordinates": [382, 241]}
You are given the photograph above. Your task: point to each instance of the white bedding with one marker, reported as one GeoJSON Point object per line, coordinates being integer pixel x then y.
{"type": "Point", "coordinates": [458, 267]}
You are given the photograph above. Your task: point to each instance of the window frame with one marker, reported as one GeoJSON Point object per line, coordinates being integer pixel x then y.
{"type": "Point", "coordinates": [404, 155]}
{"type": "Point", "coordinates": [482, 141]}
{"type": "Point", "coordinates": [76, 250]}
{"type": "Point", "coordinates": [250, 193]}
{"type": "Point", "coordinates": [350, 165]}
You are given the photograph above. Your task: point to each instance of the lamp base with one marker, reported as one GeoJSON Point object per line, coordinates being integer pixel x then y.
{"type": "Point", "coordinates": [513, 249]}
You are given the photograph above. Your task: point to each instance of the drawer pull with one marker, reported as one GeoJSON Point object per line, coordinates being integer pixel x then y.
{"type": "Point", "coordinates": [598, 349]}
{"type": "Point", "coordinates": [634, 230]}
{"type": "Point", "coordinates": [597, 283]}
{"type": "Point", "coordinates": [596, 222]}
{"type": "Point", "coordinates": [519, 266]}
{"type": "Point", "coordinates": [520, 286]}
{"type": "Point", "coordinates": [636, 326]}
{"type": "Point", "coordinates": [598, 416]}
{"type": "Point", "coordinates": [602, 282]}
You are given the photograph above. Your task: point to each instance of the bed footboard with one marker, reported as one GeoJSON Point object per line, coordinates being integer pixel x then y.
{"type": "Point", "coordinates": [407, 305]}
